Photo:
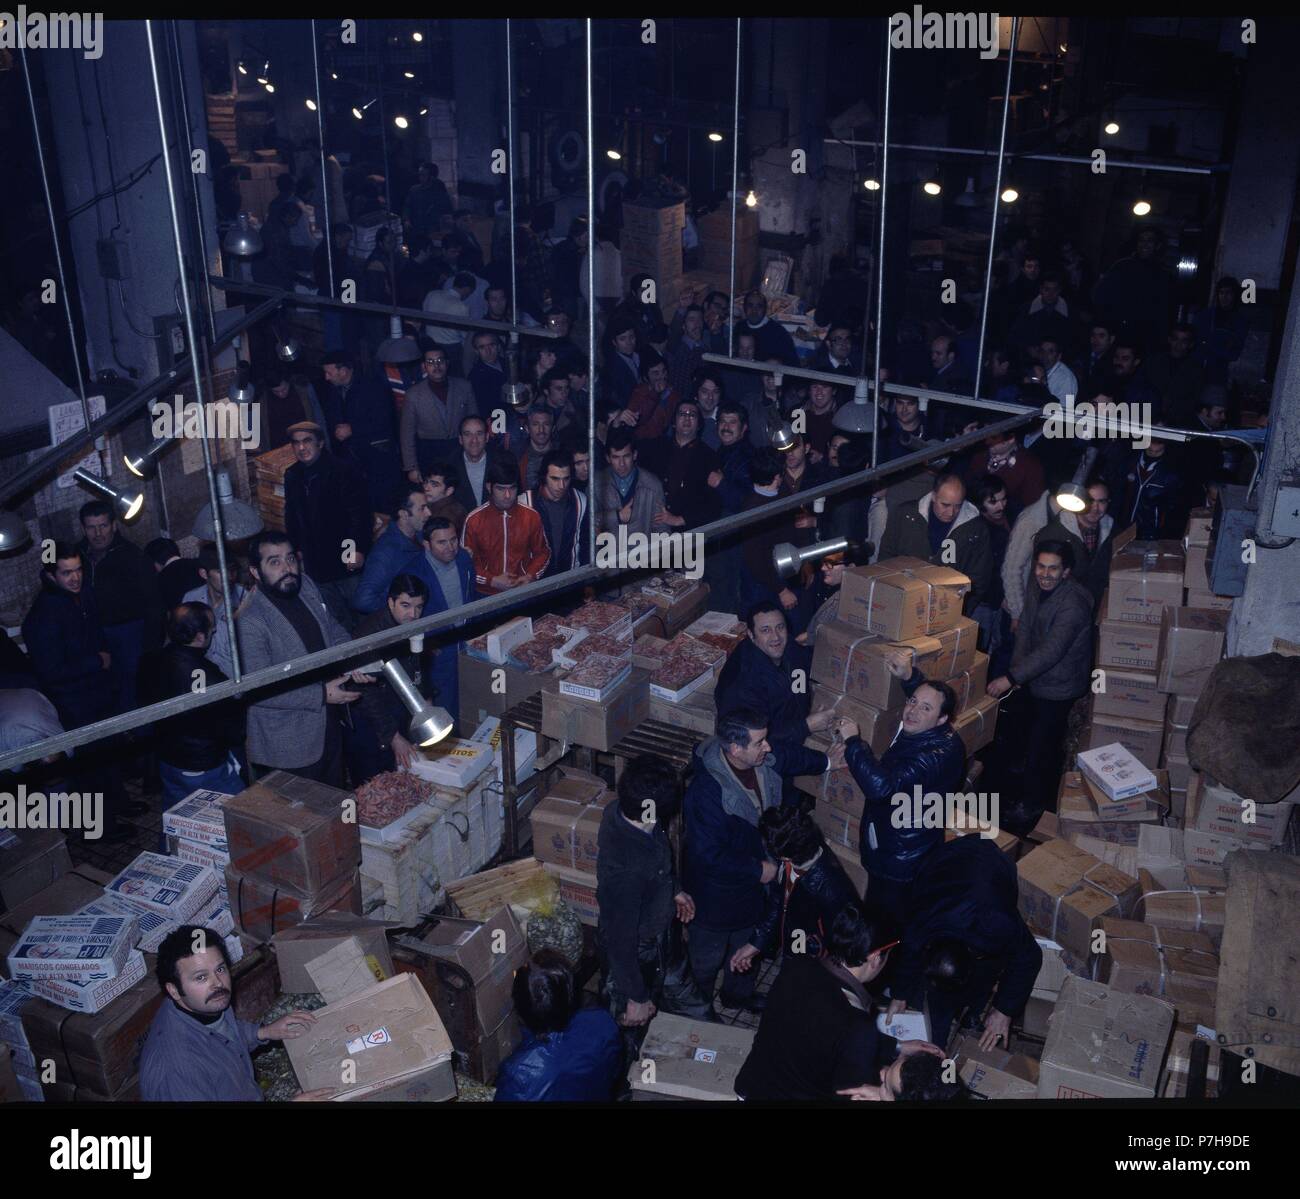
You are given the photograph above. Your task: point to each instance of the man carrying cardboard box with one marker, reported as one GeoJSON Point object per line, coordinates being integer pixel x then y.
{"type": "Point", "coordinates": [197, 1051]}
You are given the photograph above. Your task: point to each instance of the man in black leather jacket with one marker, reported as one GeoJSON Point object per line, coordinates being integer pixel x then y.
{"type": "Point", "coordinates": [926, 758]}
{"type": "Point", "coordinates": [200, 749]}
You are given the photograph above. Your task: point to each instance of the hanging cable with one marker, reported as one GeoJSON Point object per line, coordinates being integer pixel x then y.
{"type": "Point", "coordinates": [324, 175]}
{"type": "Point", "coordinates": [735, 184]}
{"type": "Point", "coordinates": [880, 266]}
{"type": "Point", "coordinates": [218, 531]}
{"type": "Point", "coordinates": [58, 251]}
{"type": "Point", "coordinates": [591, 314]}
{"type": "Point", "coordinates": [997, 200]}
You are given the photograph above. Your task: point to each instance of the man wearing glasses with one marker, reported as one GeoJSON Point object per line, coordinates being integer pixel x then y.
{"type": "Point", "coordinates": [432, 414]}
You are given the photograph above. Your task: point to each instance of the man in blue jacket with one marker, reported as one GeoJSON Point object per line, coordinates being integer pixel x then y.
{"type": "Point", "coordinates": [448, 571]}
{"type": "Point", "coordinates": [398, 549]}
{"type": "Point", "coordinates": [925, 754]}
{"type": "Point", "coordinates": [770, 673]}
{"type": "Point", "coordinates": [737, 776]}
{"type": "Point", "coordinates": [363, 421]}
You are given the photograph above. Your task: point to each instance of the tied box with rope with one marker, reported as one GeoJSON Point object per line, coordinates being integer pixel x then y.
{"type": "Point", "coordinates": [1065, 891]}
{"type": "Point", "coordinates": [903, 598]}
{"type": "Point", "coordinates": [1174, 964]}
{"type": "Point", "coordinates": [1145, 578]}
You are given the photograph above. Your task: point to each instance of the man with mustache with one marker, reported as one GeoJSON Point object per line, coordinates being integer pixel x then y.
{"type": "Point", "coordinates": [197, 1050]}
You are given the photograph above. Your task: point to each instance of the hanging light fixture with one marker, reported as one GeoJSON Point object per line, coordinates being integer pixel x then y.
{"type": "Point", "coordinates": [751, 200]}
{"type": "Point", "coordinates": [408, 74]}
{"type": "Point", "coordinates": [14, 532]}
{"type": "Point", "coordinates": [398, 347]}
{"type": "Point", "coordinates": [242, 240]}
{"type": "Point", "coordinates": [787, 558]}
{"type": "Point", "coordinates": [126, 503]}
{"type": "Point", "coordinates": [932, 186]}
{"type": "Point", "coordinates": [424, 112]}
{"type": "Point", "coordinates": [783, 438]}
{"type": "Point", "coordinates": [1010, 195]}
{"type": "Point", "coordinates": [872, 185]}
{"type": "Point", "coordinates": [715, 137]}
{"type": "Point", "coordinates": [144, 464]}
{"type": "Point", "coordinates": [270, 87]}
{"type": "Point", "coordinates": [241, 389]}
{"type": "Point", "coordinates": [857, 416]}
{"type": "Point", "coordinates": [417, 36]}
{"type": "Point", "coordinates": [519, 395]}
{"type": "Point", "coordinates": [360, 112]}
{"type": "Point", "coordinates": [613, 154]}
{"type": "Point", "coordinates": [265, 73]}
{"type": "Point", "coordinates": [311, 104]}
{"type": "Point", "coordinates": [1141, 208]}
{"type": "Point", "coordinates": [1111, 127]}
{"type": "Point", "coordinates": [429, 724]}
{"type": "Point", "coordinates": [238, 519]}
{"type": "Point", "coordinates": [401, 122]}
{"type": "Point", "coordinates": [287, 349]}
{"type": "Point", "coordinates": [1073, 496]}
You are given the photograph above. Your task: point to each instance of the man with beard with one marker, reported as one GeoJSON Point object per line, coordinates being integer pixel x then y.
{"type": "Point", "coordinates": [196, 1050]}
{"type": "Point", "coordinates": [284, 620]}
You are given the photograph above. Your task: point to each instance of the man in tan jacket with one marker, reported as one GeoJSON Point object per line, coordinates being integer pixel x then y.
{"type": "Point", "coordinates": [432, 414]}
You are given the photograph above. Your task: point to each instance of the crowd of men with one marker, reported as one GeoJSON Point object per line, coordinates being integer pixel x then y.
{"type": "Point", "coordinates": [418, 493]}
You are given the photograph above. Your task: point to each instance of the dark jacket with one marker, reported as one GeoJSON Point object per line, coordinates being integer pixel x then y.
{"type": "Point", "coordinates": [800, 923]}
{"type": "Point", "coordinates": [907, 534]}
{"type": "Point", "coordinates": [175, 579]}
{"type": "Point", "coordinates": [326, 504]}
{"type": "Point", "coordinates": [967, 889]}
{"type": "Point", "coordinates": [487, 382]}
{"type": "Point", "coordinates": [759, 577]}
{"type": "Point", "coordinates": [390, 556]}
{"type": "Point", "coordinates": [685, 472]}
{"type": "Point", "coordinates": [1155, 504]}
{"type": "Point", "coordinates": [1092, 570]}
{"type": "Point", "coordinates": [724, 852]}
{"type": "Point", "coordinates": [935, 761]}
{"type": "Point", "coordinates": [750, 679]}
{"type": "Point", "coordinates": [64, 639]}
{"type": "Point", "coordinates": [771, 340]}
{"type": "Point", "coordinates": [203, 738]}
{"type": "Point", "coordinates": [634, 891]}
{"type": "Point", "coordinates": [1053, 654]}
{"type": "Point", "coordinates": [125, 586]}
{"type": "Point", "coordinates": [384, 710]}
{"type": "Point", "coordinates": [581, 1064]}
{"type": "Point", "coordinates": [817, 1038]}
{"type": "Point", "coordinates": [736, 486]}
{"type": "Point", "coordinates": [443, 661]}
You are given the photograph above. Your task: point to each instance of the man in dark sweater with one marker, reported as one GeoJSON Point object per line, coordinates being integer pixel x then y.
{"type": "Point", "coordinates": [818, 1036]}
{"type": "Point", "coordinates": [125, 586]}
{"type": "Point", "coordinates": [770, 338]}
{"type": "Point", "coordinates": [638, 897]}
{"type": "Point", "coordinates": [176, 575]}
{"type": "Point", "coordinates": [563, 509]}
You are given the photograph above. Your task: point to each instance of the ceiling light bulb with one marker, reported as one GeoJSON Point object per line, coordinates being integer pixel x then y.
{"type": "Point", "coordinates": [715, 137]}
{"type": "Point", "coordinates": [356, 112]}
{"type": "Point", "coordinates": [311, 104]}
{"type": "Point", "coordinates": [424, 112]}
{"type": "Point", "coordinates": [270, 87]}
{"type": "Point", "coordinates": [933, 187]}
{"type": "Point", "coordinates": [1111, 127]}
{"type": "Point", "coordinates": [751, 200]}
{"type": "Point", "coordinates": [1141, 208]}
{"type": "Point", "coordinates": [417, 36]}
{"type": "Point", "coordinates": [401, 122]}
{"type": "Point", "coordinates": [243, 70]}
{"type": "Point", "coordinates": [408, 74]}
{"type": "Point", "coordinates": [614, 154]}
{"type": "Point", "coordinates": [1010, 195]}
{"type": "Point", "coordinates": [872, 185]}
{"type": "Point", "coordinates": [334, 74]}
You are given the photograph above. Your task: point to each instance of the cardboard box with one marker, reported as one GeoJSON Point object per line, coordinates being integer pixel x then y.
{"type": "Point", "coordinates": [1195, 570]}
{"type": "Point", "coordinates": [697, 712]}
{"type": "Point", "coordinates": [597, 726]}
{"type": "Point", "coordinates": [1145, 576]}
{"type": "Point", "coordinates": [1127, 645]}
{"type": "Point", "coordinates": [454, 763]}
{"type": "Point", "coordinates": [1200, 522]}
{"type": "Point", "coordinates": [1216, 809]}
{"type": "Point", "coordinates": [690, 1059]}
{"type": "Point", "coordinates": [151, 928]}
{"type": "Point", "coordinates": [852, 863]}
{"type": "Point", "coordinates": [78, 948]}
{"type": "Point", "coordinates": [1036, 1019]}
{"type": "Point", "coordinates": [1057, 963]}
{"type": "Point", "coordinates": [1191, 644]}
{"type": "Point", "coordinates": [903, 597]}
{"type": "Point", "coordinates": [565, 831]}
{"type": "Point", "coordinates": [1179, 769]}
{"type": "Point", "coordinates": [296, 946]}
{"type": "Point", "coordinates": [154, 882]}
{"type": "Point", "coordinates": [1207, 600]}
{"type": "Point", "coordinates": [1077, 815]}
{"type": "Point", "coordinates": [1065, 891]}
{"type": "Point", "coordinates": [261, 908]}
{"type": "Point", "coordinates": [1130, 694]}
{"type": "Point", "coordinates": [290, 832]}
{"type": "Point", "coordinates": [30, 864]}
{"type": "Point", "coordinates": [68, 893]}
{"type": "Point", "coordinates": [977, 723]}
{"type": "Point", "coordinates": [1007, 842]}
{"type": "Point", "coordinates": [1174, 964]}
{"type": "Point", "coordinates": [856, 663]}
{"type": "Point", "coordinates": [392, 1034]}
{"type": "Point", "coordinates": [876, 726]}
{"type": "Point", "coordinates": [1175, 738]}
{"type": "Point", "coordinates": [198, 818]}
{"type": "Point", "coordinates": [839, 827]}
{"type": "Point", "coordinates": [994, 1073]}
{"type": "Point", "coordinates": [486, 689]}
{"type": "Point", "coordinates": [1211, 849]}
{"type": "Point", "coordinates": [578, 890]}
{"type": "Point", "coordinates": [946, 653]}
{"type": "Point", "coordinates": [1115, 771]}
{"type": "Point", "coordinates": [1178, 1063]}
{"type": "Point", "coordinates": [88, 996]}
{"type": "Point", "coordinates": [1181, 708]}
{"type": "Point", "coordinates": [1149, 805]}
{"type": "Point", "coordinates": [1142, 738]}
{"type": "Point", "coordinates": [504, 638]}
{"type": "Point", "coordinates": [1104, 1044]}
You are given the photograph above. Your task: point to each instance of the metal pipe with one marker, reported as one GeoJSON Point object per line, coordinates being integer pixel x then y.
{"type": "Point", "coordinates": [324, 174]}
{"type": "Point", "coordinates": [50, 462]}
{"type": "Point", "coordinates": [591, 315]}
{"type": "Point", "coordinates": [415, 314]}
{"type": "Point", "coordinates": [194, 181]}
{"type": "Point", "coordinates": [880, 266]}
{"type": "Point", "coordinates": [510, 183]}
{"type": "Point", "coordinates": [366, 648]}
{"type": "Point", "coordinates": [1217, 168]}
{"type": "Point", "coordinates": [218, 532]}
{"type": "Point", "coordinates": [735, 184]}
{"type": "Point", "coordinates": [58, 252]}
{"type": "Point", "coordinates": [997, 200]}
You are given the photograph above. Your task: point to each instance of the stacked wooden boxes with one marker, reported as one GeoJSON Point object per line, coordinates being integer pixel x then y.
{"type": "Point", "coordinates": [715, 245]}
{"type": "Point", "coordinates": [652, 245]}
{"type": "Point", "coordinates": [268, 478]}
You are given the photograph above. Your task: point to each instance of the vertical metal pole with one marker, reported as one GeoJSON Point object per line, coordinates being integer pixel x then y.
{"type": "Point", "coordinates": [218, 530]}
{"type": "Point", "coordinates": [591, 315]}
{"type": "Point", "coordinates": [54, 234]}
{"type": "Point", "coordinates": [735, 183]}
{"type": "Point", "coordinates": [997, 200]}
{"type": "Point", "coordinates": [880, 266]}
{"type": "Point", "coordinates": [513, 356]}
{"type": "Point", "coordinates": [324, 175]}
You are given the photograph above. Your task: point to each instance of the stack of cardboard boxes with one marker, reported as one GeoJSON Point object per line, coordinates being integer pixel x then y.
{"type": "Point", "coordinates": [566, 828]}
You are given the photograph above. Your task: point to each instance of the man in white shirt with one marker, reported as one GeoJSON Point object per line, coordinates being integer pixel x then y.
{"type": "Point", "coordinates": [1061, 380]}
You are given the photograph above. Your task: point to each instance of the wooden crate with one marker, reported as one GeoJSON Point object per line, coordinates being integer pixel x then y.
{"type": "Point", "coordinates": [482, 895]}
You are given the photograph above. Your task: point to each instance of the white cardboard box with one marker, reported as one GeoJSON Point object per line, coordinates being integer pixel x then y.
{"type": "Point", "coordinates": [155, 882]}
{"type": "Point", "coordinates": [91, 997]}
{"type": "Point", "coordinates": [198, 817]}
{"type": "Point", "coordinates": [1116, 771]}
{"type": "Point", "coordinates": [80, 948]}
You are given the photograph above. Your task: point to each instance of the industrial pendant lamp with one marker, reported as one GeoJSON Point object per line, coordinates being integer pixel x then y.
{"type": "Point", "coordinates": [144, 464]}
{"type": "Point", "coordinates": [1073, 496]}
{"type": "Point", "coordinates": [787, 559]}
{"type": "Point", "coordinates": [14, 532]}
{"type": "Point", "coordinates": [287, 349]}
{"type": "Point", "coordinates": [241, 389]}
{"type": "Point", "coordinates": [429, 724]}
{"type": "Point", "coordinates": [243, 241]}
{"type": "Point", "coordinates": [238, 519]}
{"type": "Point", "coordinates": [783, 438]}
{"type": "Point", "coordinates": [856, 417]}
{"type": "Point", "coordinates": [398, 346]}
{"type": "Point", "coordinates": [127, 503]}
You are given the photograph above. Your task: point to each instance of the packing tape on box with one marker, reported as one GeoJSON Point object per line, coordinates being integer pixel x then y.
{"type": "Point", "coordinates": [961, 630]}
{"type": "Point", "coordinates": [1056, 908]}
{"type": "Point", "coordinates": [1142, 899]}
{"type": "Point", "coordinates": [852, 649]}
{"type": "Point", "coordinates": [1160, 948]}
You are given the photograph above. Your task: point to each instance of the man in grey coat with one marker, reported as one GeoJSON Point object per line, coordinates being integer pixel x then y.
{"type": "Point", "coordinates": [295, 729]}
{"type": "Point", "coordinates": [431, 415]}
{"type": "Point", "coordinates": [627, 494]}
{"type": "Point", "coordinates": [1052, 662]}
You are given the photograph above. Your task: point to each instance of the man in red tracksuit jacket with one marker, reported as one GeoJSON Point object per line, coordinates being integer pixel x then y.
{"type": "Point", "coordinates": [505, 539]}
